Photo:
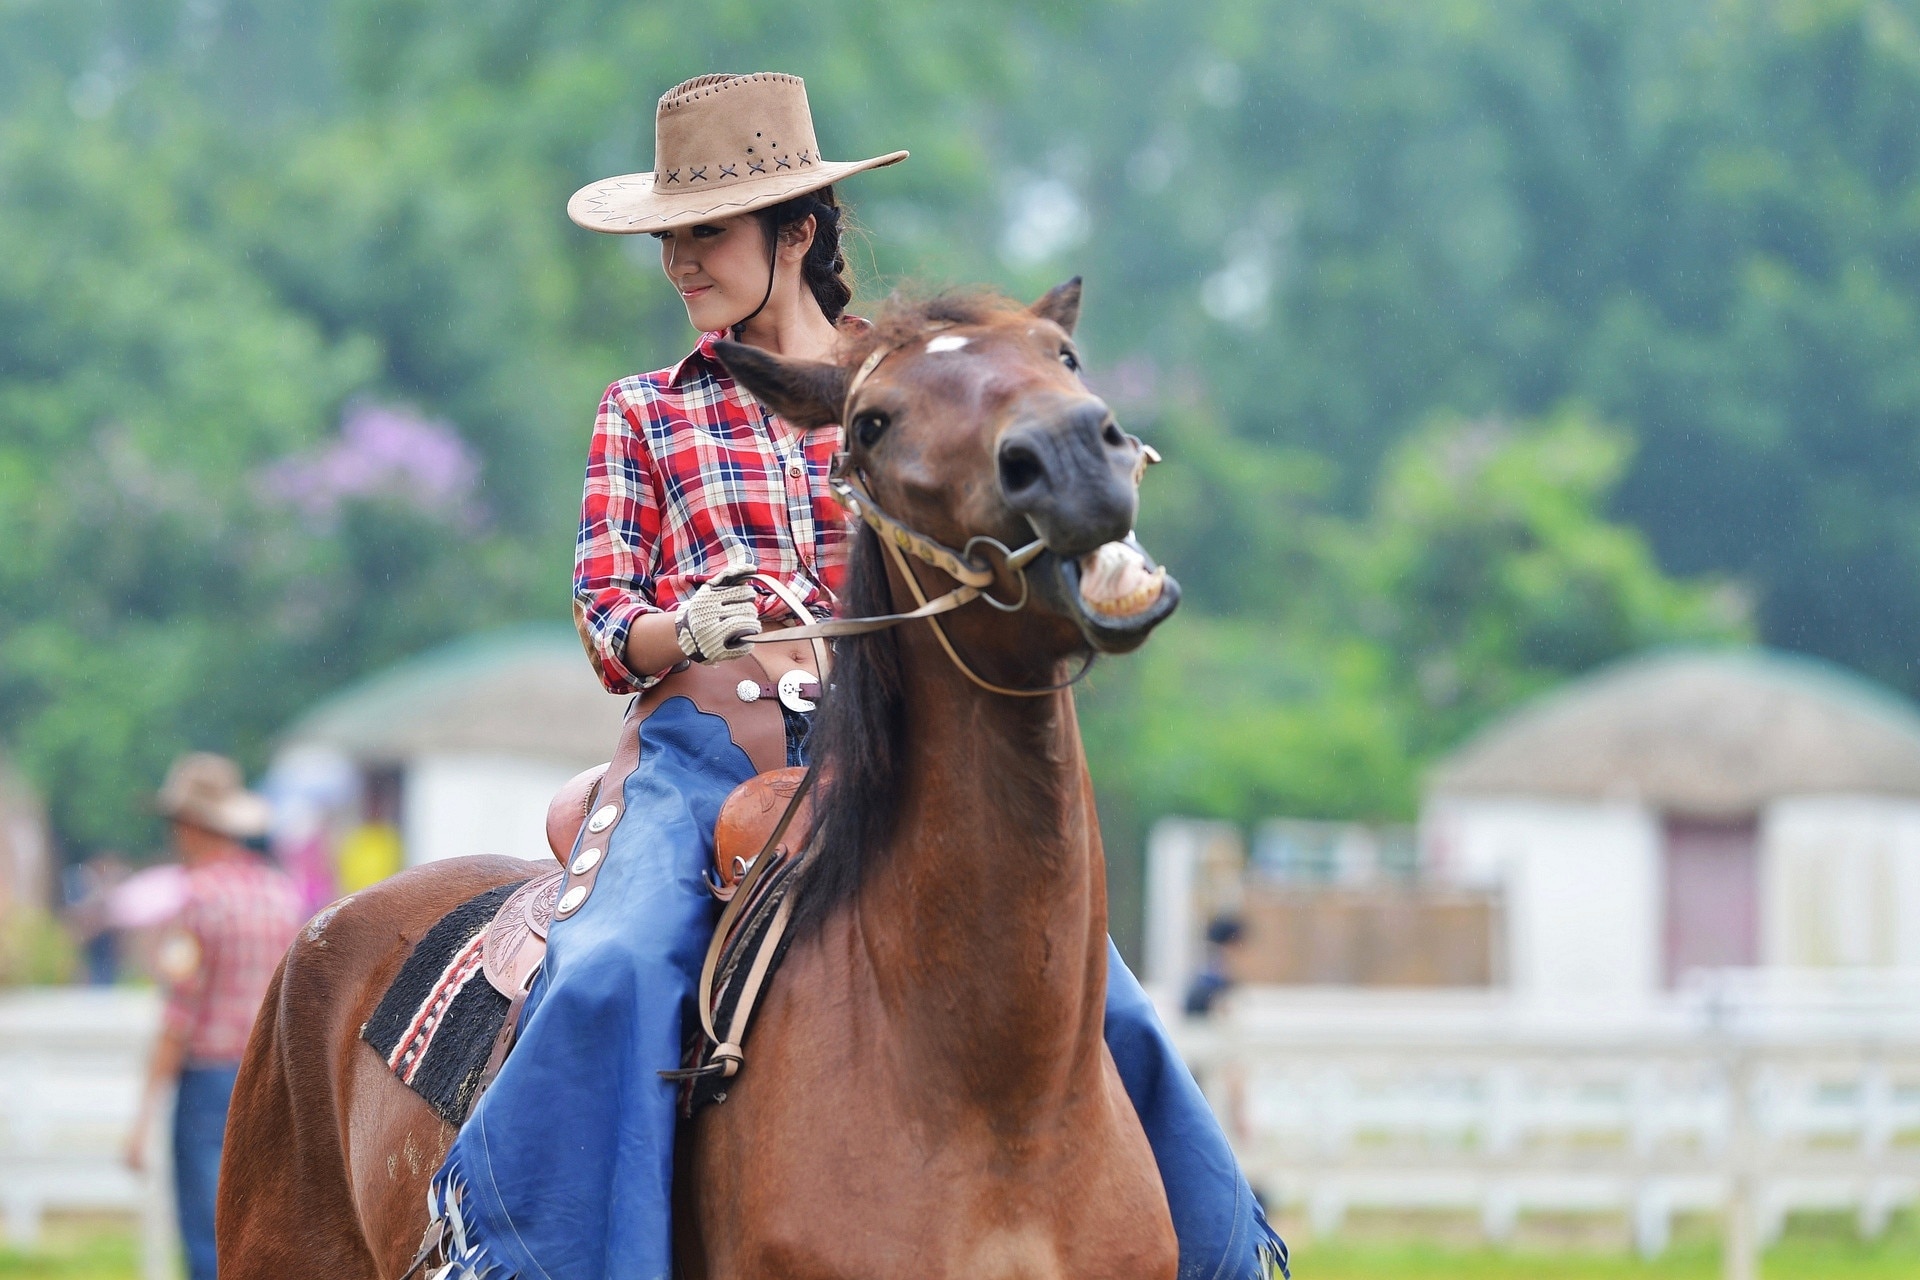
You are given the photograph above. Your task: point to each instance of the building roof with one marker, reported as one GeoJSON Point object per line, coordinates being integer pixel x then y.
{"type": "Point", "coordinates": [1706, 733]}
{"type": "Point", "coordinates": [526, 691]}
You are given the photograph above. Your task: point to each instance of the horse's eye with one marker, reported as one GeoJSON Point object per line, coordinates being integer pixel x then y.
{"type": "Point", "coordinates": [869, 427]}
{"type": "Point", "coordinates": [1070, 360]}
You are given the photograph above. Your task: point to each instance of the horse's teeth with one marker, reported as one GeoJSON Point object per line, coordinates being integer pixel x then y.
{"type": "Point", "coordinates": [1116, 583]}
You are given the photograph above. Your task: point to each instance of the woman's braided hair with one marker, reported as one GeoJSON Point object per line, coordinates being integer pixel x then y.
{"type": "Point", "coordinates": [825, 267]}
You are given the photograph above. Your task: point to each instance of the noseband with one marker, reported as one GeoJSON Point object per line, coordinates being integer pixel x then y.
{"type": "Point", "coordinates": [974, 575]}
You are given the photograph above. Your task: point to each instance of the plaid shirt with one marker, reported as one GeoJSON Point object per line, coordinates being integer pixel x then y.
{"type": "Point", "coordinates": [688, 474]}
{"type": "Point", "coordinates": [240, 916]}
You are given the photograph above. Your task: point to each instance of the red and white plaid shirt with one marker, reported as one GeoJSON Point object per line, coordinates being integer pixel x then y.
{"type": "Point", "coordinates": [688, 474]}
{"type": "Point", "coordinates": [239, 919]}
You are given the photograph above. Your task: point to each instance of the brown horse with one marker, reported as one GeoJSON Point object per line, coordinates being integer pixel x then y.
{"type": "Point", "coordinates": [928, 1091]}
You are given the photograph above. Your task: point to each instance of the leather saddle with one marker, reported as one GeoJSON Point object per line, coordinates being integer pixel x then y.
{"type": "Point", "coordinates": [747, 820]}
{"type": "Point", "coordinates": [516, 940]}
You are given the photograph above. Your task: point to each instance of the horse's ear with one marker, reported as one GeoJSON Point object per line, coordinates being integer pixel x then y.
{"type": "Point", "coordinates": [1061, 305]}
{"type": "Point", "coordinates": [804, 392]}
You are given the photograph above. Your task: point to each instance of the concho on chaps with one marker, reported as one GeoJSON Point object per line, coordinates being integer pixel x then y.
{"type": "Point", "coordinates": [756, 727]}
{"type": "Point", "coordinates": [446, 1023]}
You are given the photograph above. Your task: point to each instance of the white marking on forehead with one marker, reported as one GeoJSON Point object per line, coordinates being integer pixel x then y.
{"type": "Point", "coordinates": [946, 342]}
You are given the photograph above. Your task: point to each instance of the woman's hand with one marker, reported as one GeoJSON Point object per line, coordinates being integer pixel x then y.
{"type": "Point", "coordinates": [716, 622]}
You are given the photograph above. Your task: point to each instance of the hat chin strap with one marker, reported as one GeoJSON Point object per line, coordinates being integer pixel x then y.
{"type": "Point", "coordinates": [773, 268]}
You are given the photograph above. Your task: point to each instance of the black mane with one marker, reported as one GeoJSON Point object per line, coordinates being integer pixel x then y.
{"type": "Point", "coordinates": [855, 746]}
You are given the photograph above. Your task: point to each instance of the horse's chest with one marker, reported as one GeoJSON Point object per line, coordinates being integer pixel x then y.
{"type": "Point", "coordinates": [872, 1189]}
{"type": "Point", "coordinates": [844, 1154]}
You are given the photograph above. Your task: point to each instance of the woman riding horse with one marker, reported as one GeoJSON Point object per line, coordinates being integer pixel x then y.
{"type": "Point", "coordinates": [565, 1166]}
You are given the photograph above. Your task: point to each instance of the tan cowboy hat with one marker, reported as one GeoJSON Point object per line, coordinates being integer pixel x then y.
{"type": "Point", "coordinates": [207, 790]}
{"type": "Point", "coordinates": [722, 146]}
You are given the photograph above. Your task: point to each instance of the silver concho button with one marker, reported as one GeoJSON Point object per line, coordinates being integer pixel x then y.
{"type": "Point", "coordinates": [585, 861]}
{"type": "Point", "coordinates": [748, 691]}
{"type": "Point", "coordinates": [570, 900]}
{"type": "Point", "coordinates": [603, 817]}
{"type": "Point", "coordinates": [790, 690]}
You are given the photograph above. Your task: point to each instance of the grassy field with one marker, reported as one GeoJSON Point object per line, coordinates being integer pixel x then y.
{"type": "Point", "coordinates": [75, 1251]}
{"type": "Point", "coordinates": [1820, 1250]}
{"type": "Point", "coordinates": [1791, 1260]}
{"type": "Point", "coordinates": [1814, 1248]}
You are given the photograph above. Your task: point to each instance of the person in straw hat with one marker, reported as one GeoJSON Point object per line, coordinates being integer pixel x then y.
{"type": "Point", "coordinates": [217, 959]}
{"type": "Point", "coordinates": [707, 520]}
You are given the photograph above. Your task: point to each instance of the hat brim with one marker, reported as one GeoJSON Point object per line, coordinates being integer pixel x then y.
{"type": "Point", "coordinates": [628, 205]}
{"type": "Point", "coordinates": [244, 816]}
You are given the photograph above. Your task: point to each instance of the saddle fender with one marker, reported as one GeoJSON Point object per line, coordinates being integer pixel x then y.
{"type": "Point", "coordinates": [516, 940]}
{"type": "Point", "coordinates": [748, 818]}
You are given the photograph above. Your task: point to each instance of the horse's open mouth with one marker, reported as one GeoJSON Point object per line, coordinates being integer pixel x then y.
{"type": "Point", "coordinates": [1116, 584]}
{"type": "Point", "coordinates": [1117, 594]}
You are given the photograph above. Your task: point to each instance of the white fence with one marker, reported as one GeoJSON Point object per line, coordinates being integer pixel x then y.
{"type": "Point", "coordinates": [1748, 1102]}
{"type": "Point", "coordinates": [1748, 1097]}
{"type": "Point", "coordinates": [72, 1061]}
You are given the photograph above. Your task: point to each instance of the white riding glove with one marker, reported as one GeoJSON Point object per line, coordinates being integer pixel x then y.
{"type": "Point", "coordinates": [716, 621]}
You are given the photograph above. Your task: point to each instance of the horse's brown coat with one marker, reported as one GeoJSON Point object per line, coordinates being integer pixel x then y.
{"type": "Point", "coordinates": [928, 1090]}
{"type": "Point", "coordinates": [327, 1154]}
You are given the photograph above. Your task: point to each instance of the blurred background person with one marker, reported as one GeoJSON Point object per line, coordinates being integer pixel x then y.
{"type": "Point", "coordinates": [217, 959]}
{"type": "Point", "coordinates": [89, 892]}
{"type": "Point", "coordinates": [1216, 976]}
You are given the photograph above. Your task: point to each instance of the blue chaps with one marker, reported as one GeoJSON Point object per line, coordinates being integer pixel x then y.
{"type": "Point", "coordinates": [564, 1169]}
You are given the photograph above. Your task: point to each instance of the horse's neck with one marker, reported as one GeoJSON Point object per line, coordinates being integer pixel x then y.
{"type": "Point", "coordinates": [986, 922]}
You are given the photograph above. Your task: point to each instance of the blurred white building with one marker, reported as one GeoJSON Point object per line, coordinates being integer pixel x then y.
{"type": "Point", "coordinates": [1689, 811]}
{"type": "Point", "coordinates": [462, 747]}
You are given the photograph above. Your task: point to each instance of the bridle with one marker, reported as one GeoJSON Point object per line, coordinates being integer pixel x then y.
{"type": "Point", "coordinates": [973, 574]}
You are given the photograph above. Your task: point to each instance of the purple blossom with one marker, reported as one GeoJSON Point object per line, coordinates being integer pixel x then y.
{"type": "Point", "coordinates": [382, 452]}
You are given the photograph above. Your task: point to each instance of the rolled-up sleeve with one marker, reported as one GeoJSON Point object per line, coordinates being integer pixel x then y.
{"type": "Point", "coordinates": [615, 551]}
{"type": "Point", "coordinates": [182, 961]}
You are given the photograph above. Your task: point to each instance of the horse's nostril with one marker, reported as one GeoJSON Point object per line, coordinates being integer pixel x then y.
{"type": "Point", "coordinates": [1020, 468]}
{"type": "Point", "coordinates": [1113, 435]}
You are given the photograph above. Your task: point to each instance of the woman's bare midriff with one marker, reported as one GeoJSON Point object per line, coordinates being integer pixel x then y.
{"type": "Point", "coordinates": [781, 656]}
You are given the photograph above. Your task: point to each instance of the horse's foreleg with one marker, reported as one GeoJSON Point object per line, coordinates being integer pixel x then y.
{"type": "Point", "coordinates": [328, 1156]}
{"type": "Point", "coordinates": [285, 1207]}
{"type": "Point", "coordinates": [395, 1143]}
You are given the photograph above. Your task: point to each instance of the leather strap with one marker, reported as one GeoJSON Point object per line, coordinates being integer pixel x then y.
{"type": "Point", "coordinates": [880, 622]}
{"type": "Point", "coordinates": [866, 371]}
{"type": "Point", "coordinates": [809, 689]}
{"type": "Point", "coordinates": [431, 1252]}
{"type": "Point", "coordinates": [503, 1040]}
{"type": "Point", "coordinates": [956, 566]}
{"type": "Point", "coordinates": [763, 863]}
{"type": "Point", "coordinates": [973, 576]}
{"type": "Point", "coordinates": [940, 634]}
{"type": "Point", "coordinates": [728, 1052]}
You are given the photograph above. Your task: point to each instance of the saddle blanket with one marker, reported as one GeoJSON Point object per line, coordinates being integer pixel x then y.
{"type": "Point", "coordinates": [436, 1025]}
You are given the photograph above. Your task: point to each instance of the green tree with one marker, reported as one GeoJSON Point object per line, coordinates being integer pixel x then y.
{"type": "Point", "coordinates": [1311, 231]}
{"type": "Point", "coordinates": [1353, 652]}
{"type": "Point", "coordinates": [1490, 571]}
